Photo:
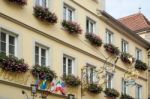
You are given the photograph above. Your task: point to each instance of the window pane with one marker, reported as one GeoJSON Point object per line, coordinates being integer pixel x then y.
{"type": "Point", "coordinates": [37, 59]}
{"type": "Point", "coordinates": [37, 2]}
{"type": "Point", "coordinates": [3, 47]}
{"type": "Point", "coordinates": [64, 13]}
{"type": "Point", "coordinates": [44, 3]}
{"type": "Point", "coordinates": [91, 27]}
{"type": "Point", "coordinates": [43, 61]}
{"type": "Point", "coordinates": [37, 55]}
{"type": "Point", "coordinates": [70, 13]}
{"type": "Point", "coordinates": [69, 66]}
{"type": "Point", "coordinates": [11, 40]}
{"type": "Point", "coordinates": [91, 75]}
{"type": "Point", "coordinates": [3, 37]}
{"type": "Point", "coordinates": [36, 50]}
{"type": "Point", "coordinates": [43, 52]}
{"type": "Point", "coordinates": [64, 65]}
{"type": "Point", "coordinates": [87, 26]}
{"type": "Point", "coordinates": [11, 50]}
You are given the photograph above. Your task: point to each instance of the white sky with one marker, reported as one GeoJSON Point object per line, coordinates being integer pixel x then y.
{"type": "Point", "coordinates": [120, 8]}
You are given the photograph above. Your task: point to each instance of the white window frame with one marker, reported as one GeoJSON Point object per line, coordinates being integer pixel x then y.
{"type": "Point", "coordinates": [40, 46]}
{"type": "Point", "coordinates": [138, 54]}
{"type": "Point", "coordinates": [91, 78]}
{"type": "Point", "coordinates": [124, 46]}
{"type": "Point", "coordinates": [66, 10]}
{"type": "Point", "coordinates": [109, 84]}
{"type": "Point", "coordinates": [40, 3]}
{"type": "Point", "coordinates": [138, 91]}
{"type": "Point", "coordinates": [124, 87]}
{"type": "Point", "coordinates": [8, 33]}
{"type": "Point", "coordinates": [91, 28]}
{"type": "Point", "coordinates": [109, 37]}
{"type": "Point", "coordinates": [66, 67]}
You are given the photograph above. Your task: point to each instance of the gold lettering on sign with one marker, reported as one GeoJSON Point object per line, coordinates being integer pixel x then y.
{"type": "Point", "coordinates": [20, 78]}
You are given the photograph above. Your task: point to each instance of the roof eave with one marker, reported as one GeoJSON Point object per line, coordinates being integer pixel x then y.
{"type": "Point", "coordinates": [129, 31]}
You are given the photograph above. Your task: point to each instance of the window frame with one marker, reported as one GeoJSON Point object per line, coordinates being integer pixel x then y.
{"type": "Point", "coordinates": [109, 84]}
{"type": "Point", "coordinates": [40, 46]}
{"type": "Point", "coordinates": [111, 39]}
{"type": "Point", "coordinates": [66, 67]}
{"type": "Point", "coordinates": [124, 87]}
{"type": "Point", "coordinates": [138, 57]}
{"type": "Point", "coordinates": [39, 3]}
{"type": "Point", "coordinates": [9, 33]}
{"type": "Point", "coordinates": [138, 92]}
{"type": "Point", "coordinates": [66, 12]}
{"type": "Point", "coordinates": [90, 24]}
{"type": "Point", "coordinates": [91, 78]}
{"type": "Point", "coordinates": [124, 46]}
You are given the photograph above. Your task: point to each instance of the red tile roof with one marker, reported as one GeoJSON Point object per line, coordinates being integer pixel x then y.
{"type": "Point", "coordinates": [136, 22]}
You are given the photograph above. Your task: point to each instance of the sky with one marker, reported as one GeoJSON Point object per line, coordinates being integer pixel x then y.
{"type": "Point", "coordinates": [121, 8]}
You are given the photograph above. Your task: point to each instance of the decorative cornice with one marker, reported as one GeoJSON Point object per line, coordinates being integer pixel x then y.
{"type": "Point", "coordinates": [61, 41]}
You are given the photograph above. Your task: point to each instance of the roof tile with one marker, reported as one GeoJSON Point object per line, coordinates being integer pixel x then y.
{"type": "Point", "coordinates": [136, 22]}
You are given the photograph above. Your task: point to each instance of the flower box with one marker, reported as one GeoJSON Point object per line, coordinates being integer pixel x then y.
{"type": "Point", "coordinates": [125, 96]}
{"type": "Point", "coordinates": [112, 49]}
{"type": "Point", "coordinates": [94, 39]}
{"type": "Point", "coordinates": [13, 64]}
{"type": "Point", "coordinates": [127, 58]}
{"type": "Point", "coordinates": [139, 65]}
{"type": "Point", "coordinates": [111, 92]}
{"type": "Point", "coordinates": [94, 88]}
{"type": "Point", "coordinates": [45, 15]}
{"type": "Point", "coordinates": [43, 72]}
{"type": "Point", "coordinates": [72, 27]}
{"type": "Point", "coordinates": [71, 80]}
{"type": "Point", "coordinates": [19, 2]}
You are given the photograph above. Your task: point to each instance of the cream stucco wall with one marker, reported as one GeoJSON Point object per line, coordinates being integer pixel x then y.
{"type": "Point", "coordinates": [77, 47]}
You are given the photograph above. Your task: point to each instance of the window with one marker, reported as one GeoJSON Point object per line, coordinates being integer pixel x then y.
{"type": "Point", "coordinates": [124, 87]}
{"type": "Point", "coordinates": [91, 74]}
{"type": "Point", "coordinates": [90, 26]}
{"type": "Point", "coordinates": [68, 13]}
{"type": "Point", "coordinates": [41, 55]}
{"type": "Point", "coordinates": [109, 80]}
{"type": "Point", "coordinates": [138, 91]}
{"type": "Point", "coordinates": [42, 3]}
{"type": "Point", "coordinates": [8, 44]}
{"type": "Point", "coordinates": [68, 65]}
{"type": "Point", "coordinates": [109, 37]}
{"type": "Point", "coordinates": [138, 54]}
{"type": "Point", "coordinates": [124, 45]}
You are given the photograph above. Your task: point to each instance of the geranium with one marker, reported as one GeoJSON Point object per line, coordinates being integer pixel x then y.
{"type": "Point", "coordinates": [45, 15]}
{"type": "Point", "coordinates": [127, 58]}
{"type": "Point", "coordinates": [43, 72]}
{"type": "Point", "coordinates": [95, 88]}
{"type": "Point", "coordinates": [19, 2]}
{"type": "Point", "coordinates": [94, 39]}
{"type": "Point", "coordinates": [125, 96]}
{"type": "Point", "coordinates": [139, 65]}
{"type": "Point", "coordinates": [72, 27]}
{"type": "Point", "coordinates": [71, 80]}
{"type": "Point", "coordinates": [13, 64]}
{"type": "Point", "coordinates": [111, 92]}
{"type": "Point", "coordinates": [112, 49]}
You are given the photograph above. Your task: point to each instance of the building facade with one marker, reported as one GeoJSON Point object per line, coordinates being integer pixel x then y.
{"type": "Point", "coordinates": [140, 25]}
{"type": "Point", "coordinates": [39, 40]}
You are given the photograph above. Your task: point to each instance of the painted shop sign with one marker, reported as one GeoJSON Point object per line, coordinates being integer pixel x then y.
{"type": "Point", "coordinates": [20, 78]}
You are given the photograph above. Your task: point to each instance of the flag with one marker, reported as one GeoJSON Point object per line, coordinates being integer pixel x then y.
{"type": "Point", "coordinates": [43, 85]}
